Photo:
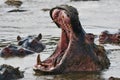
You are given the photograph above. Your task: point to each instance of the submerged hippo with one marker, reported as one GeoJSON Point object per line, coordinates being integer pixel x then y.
{"type": "Point", "coordinates": [8, 72]}
{"type": "Point", "coordinates": [107, 37]}
{"type": "Point", "coordinates": [13, 50]}
{"type": "Point", "coordinates": [16, 3]}
{"type": "Point", "coordinates": [84, 0]}
{"type": "Point", "coordinates": [114, 78]}
{"type": "Point", "coordinates": [31, 43]}
{"type": "Point", "coordinates": [74, 53]}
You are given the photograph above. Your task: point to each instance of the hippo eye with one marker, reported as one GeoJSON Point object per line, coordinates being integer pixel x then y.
{"type": "Point", "coordinates": [67, 14]}
{"type": "Point", "coordinates": [34, 42]}
{"type": "Point", "coordinates": [21, 50]}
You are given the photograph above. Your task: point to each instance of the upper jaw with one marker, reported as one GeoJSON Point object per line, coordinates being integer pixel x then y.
{"type": "Point", "coordinates": [62, 9]}
{"type": "Point", "coordinates": [61, 18]}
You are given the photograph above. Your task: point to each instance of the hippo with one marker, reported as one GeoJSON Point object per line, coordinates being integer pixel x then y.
{"type": "Point", "coordinates": [84, 0]}
{"type": "Point", "coordinates": [8, 72]}
{"type": "Point", "coordinates": [74, 52]}
{"type": "Point", "coordinates": [12, 50]}
{"type": "Point", "coordinates": [113, 78]}
{"type": "Point", "coordinates": [31, 43]}
{"type": "Point", "coordinates": [106, 37]}
{"type": "Point", "coordinates": [15, 3]}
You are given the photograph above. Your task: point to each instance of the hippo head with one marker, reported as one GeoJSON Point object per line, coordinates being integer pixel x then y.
{"type": "Point", "coordinates": [16, 3]}
{"type": "Point", "coordinates": [107, 37]}
{"type": "Point", "coordinates": [31, 43]}
{"type": "Point", "coordinates": [8, 72]}
{"type": "Point", "coordinates": [74, 51]}
{"type": "Point", "coordinates": [104, 37]}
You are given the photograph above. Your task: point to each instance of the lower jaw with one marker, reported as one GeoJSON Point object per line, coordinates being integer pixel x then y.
{"type": "Point", "coordinates": [51, 70]}
{"type": "Point", "coordinates": [50, 67]}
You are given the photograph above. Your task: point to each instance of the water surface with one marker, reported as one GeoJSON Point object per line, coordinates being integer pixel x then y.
{"type": "Point", "coordinates": [95, 16]}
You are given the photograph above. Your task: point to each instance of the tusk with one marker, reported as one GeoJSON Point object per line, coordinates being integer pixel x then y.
{"type": "Point", "coordinates": [38, 60]}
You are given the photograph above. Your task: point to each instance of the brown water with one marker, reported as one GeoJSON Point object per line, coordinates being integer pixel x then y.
{"type": "Point", "coordinates": [94, 16]}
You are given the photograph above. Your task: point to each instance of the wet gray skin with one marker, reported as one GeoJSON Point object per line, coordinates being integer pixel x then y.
{"type": "Point", "coordinates": [73, 53]}
{"type": "Point", "coordinates": [8, 72]}
{"type": "Point", "coordinates": [31, 43]}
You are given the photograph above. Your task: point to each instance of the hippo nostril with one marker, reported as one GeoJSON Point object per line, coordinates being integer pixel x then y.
{"type": "Point", "coordinates": [7, 50]}
{"type": "Point", "coordinates": [34, 42]}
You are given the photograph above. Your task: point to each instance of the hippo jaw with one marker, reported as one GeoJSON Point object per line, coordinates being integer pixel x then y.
{"type": "Point", "coordinates": [72, 53]}
{"type": "Point", "coordinates": [57, 58]}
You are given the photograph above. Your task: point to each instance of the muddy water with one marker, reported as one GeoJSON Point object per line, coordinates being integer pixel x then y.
{"type": "Point", "coordinates": [95, 16]}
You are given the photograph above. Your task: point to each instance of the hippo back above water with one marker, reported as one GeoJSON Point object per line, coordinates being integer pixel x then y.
{"type": "Point", "coordinates": [16, 3]}
{"type": "Point", "coordinates": [12, 50]}
{"type": "Point", "coordinates": [8, 72]}
{"type": "Point", "coordinates": [109, 38]}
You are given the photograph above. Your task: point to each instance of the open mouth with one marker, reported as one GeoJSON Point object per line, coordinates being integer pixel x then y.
{"type": "Point", "coordinates": [61, 18]}
{"type": "Point", "coordinates": [75, 50]}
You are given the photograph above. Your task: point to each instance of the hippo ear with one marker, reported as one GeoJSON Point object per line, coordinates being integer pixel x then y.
{"type": "Point", "coordinates": [17, 68]}
{"type": "Point", "coordinates": [39, 37]}
{"type": "Point", "coordinates": [18, 38]}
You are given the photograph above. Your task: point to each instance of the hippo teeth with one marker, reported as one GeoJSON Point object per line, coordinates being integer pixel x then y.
{"type": "Point", "coordinates": [57, 58]}
{"type": "Point", "coordinates": [38, 60]}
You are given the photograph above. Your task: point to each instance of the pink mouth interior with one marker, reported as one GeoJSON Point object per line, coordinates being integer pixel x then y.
{"type": "Point", "coordinates": [62, 19]}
